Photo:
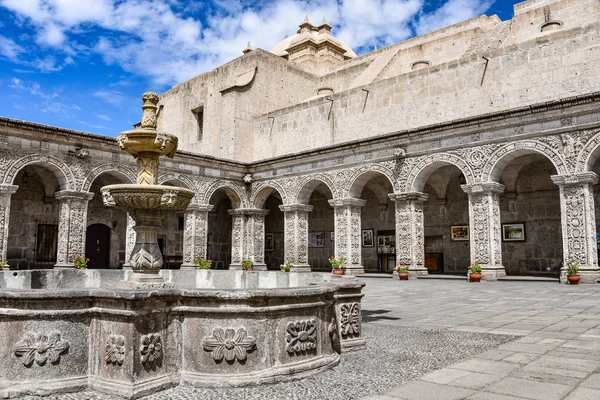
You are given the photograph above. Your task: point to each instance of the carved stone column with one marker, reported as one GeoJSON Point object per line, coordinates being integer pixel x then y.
{"type": "Point", "coordinates": [248, 237]}
{"type": "Point", "coordinates": [296, 235]}
{"type": "Point", "coordinates": [6, 192]}
{"type": "Point", "coordinates": [348, 233]}
{"type": "Point", "coordinates": [129, 241]}
{"type": "Point", "coordinates": [578, 224]}
{"type": "Point", "coordinates": [71, 226]}
{"type": "Point", "coordinates": [194, 234]}
{"type": "Point", "coordinates": [485, 229]}
{"type": "Point", "coordinates": [410, 233]}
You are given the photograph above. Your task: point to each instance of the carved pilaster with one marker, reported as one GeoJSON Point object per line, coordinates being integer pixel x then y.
{"type": "Point", "coordinates": [485, 228]}
{"type": "Point", "coordinates": [348, 233]}
{"type": "Point", "coordinates": [578, 222]}
{"type": "Point", "coordinates": [296, 235]}
{"type": "Point", "coordinates": [72, 225]}
{"type": "Point", "coordinates": [129, 240]}
{"type": "Point", "coordinates": [248, 237]}
{"type": "Point", "coordinates": [410, 233]}
{"type": "Point", "coordinates": [6, 192]}
{"type": "Point", "coordinates": [194, 234]}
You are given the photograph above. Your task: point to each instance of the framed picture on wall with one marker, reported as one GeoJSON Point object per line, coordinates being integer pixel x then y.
{"type": "Point", "coordinates": [459, 232]}
{"type": "Point", "coordinates": [316, 239]}
{"type": "Point", "coordinates": [513, 232]}
{"type": "Point", "coordinates": [269, 239]}
{"type": "Point", "coordinates": [367, 238]}
{"type": "Point", "coordinates": [332, 236]}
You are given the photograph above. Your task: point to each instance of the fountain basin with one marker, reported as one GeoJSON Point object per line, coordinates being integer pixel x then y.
{"type": "Point", "coordinates": [135, 198]}
{"type": "Point", "coordinates": [138, 141]}
{"type": "Point", "coordinates": [67, 330]}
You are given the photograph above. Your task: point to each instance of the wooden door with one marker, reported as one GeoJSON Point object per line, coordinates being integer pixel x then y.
{"type": "Point", "coordinates": [97, 246]}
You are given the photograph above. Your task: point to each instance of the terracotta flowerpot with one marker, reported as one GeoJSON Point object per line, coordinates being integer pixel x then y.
{"type": "Point", "coordinates": [284, 270]}
{"type": "Point", "coordinates": [573, 279]}
{"type": "Point", "coordinates": [403, 276]}
{"type": "Point", "coordinates": [475, 277]}
{"type": "Point", "coordinates": [250, 269]}
{"type": "Point", "coordinates": [338, 271]}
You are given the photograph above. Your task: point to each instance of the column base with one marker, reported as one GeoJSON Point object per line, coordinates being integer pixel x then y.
{"type": "Point", "coordinates": [145, 281]}
{"type": "Point", "coordinates": [589, 275]}
{"type": "Point", "coordinates": [188, 267]}
{"type": "Point", "coordinates": [354, 270]}
{"type": "Point", "coordinates": [64, 265]}
{"type": "Point", "coordinates": [300, 268]}
{"type": "Point", "coordinates": [417, 271]}
{"type": "Point", "coordinates": [491, 273]}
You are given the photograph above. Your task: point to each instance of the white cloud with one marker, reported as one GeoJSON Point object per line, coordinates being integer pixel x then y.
{"type": "Point", "coordinates": [9, 49]}
{"type": "Point", "coordinates": [154, 38]}
{"type": "Point", "coordinates": [113, 97]}
{"type": "Point", "coordinates": [104, 117]}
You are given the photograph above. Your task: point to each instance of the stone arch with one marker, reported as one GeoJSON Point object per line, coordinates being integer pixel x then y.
{"type": "Point", "coordinates": [61, 171]}
{"type": "Point", "coordinates": [589, 154]}
{"type": "Point", "coordinates": [307, 185]}
{"type": "Point", "coordinates": [180, 180]}
{"type": "Point", "coordinates": [263, 190]}
{"type": "Point", "coordinates": [422, 170]}
{"type": "Point", "coordinates": [123, 174]}
{"type": "Point", "coordinates": [233, 191]}
{"type": "Point", "coordinates": [500, 158]}
{"type": "Point", "coordinates": [363, 175]}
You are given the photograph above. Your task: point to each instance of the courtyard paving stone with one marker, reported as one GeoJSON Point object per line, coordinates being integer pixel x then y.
{"type": "Point", "coordinates": [425, 342]}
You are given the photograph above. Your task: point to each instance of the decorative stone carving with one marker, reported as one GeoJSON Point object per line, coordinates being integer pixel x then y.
{"type": "Point", "coordinates": [485, 228]}
{"type": "Point", "coordinates": [350, 320]}
{"type": "Point", "coordinates": [72, 225]}
{"type": "Point", "coordinates": [301, 336]}
{"type": "Point", "coordinates": [296, 235]}
{"type": "Point", "coordinates": [334, 335]}
{"type": "Point", "coordinates": [114, 351]}
{"type": "Point", "coordinates": [40, 347]}
{"type": "Point", "coordinates": [229, 344]}
{"type": "Point", "coordinates": [414, 169]}
{"type": "Point", "coordinates": [248, 237]}
{"type": "Point", "coordinates": [36, 158]}
{"type": "Point", "coordinates": [151, 349]}
{"type": "Point", "coordinates": [347, 232]}
{"type": "Point", "coordinates": [194, 233]}
{"type": "Point", "coordinates": [410, 236]}
{"type": "Point", "coordinates": [578, 223]}
{"type": "Point", "coordinates": [6, 192]}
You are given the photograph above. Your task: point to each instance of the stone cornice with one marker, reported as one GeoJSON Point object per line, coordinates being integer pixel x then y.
{"type": "Point", "coordinates": [295, 208]}
{"type": "Point", "coordinates": [200, 207]}
{"type": "Point", "coordinates": [248, 211]}
{"type": "Point", "coordinates": [483, 188]}
{"type": "Point", "coordinates": [409, 196]}
{"type": "Point", "coordinates": [8, 189]}
{"type": "Point", "coordinates": [575, 179]}
{"type": "Point", "coordinates": [73, 195]}
{"type": "Point", "coordinates": [352, 202]}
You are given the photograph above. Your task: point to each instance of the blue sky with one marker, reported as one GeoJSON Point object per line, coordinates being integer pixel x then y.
{"type": "Point", "coordinates": [83, 64]}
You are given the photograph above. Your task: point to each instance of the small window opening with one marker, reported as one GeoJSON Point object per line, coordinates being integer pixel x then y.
{"type": "Point", "coordinates": [199, 116]}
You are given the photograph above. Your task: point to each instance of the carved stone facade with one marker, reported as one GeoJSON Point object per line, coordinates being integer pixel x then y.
{"type": "Point", "coordinates": [338, 164]}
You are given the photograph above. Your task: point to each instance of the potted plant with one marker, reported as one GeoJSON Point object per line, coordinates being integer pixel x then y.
{"type": "Point", "coordinates": [79, 261]}
{"type": "Point", "coordinates": [337, 265]}
{"type": "Point", "coordinates": [475, 272]}
{"type": "Point", "coordinates": [287, 266]}
{"type": "Point", "coordinates": [573, 271]}
{"type": "Point", "coordinates": [202, 263]}
{"type": "Point", "coordinates": [3, 264]}
{"type": "Point", "coordinates": [402, 271]}
{"type": "Point", "coordinates": [247, 265]}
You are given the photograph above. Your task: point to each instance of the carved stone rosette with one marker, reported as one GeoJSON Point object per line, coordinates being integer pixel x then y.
{"type": "Point", "coordinates": [151, 349]}
{"type": "Point", "coordinates": [485, 228]}
{"type": "Point", "coordinates": [301, 336]}
{"type": "Point", "coordinates": [194, 233]}
{"type": "Point", "coordinates": [40, 347]}
{"type": "Point", "coordinates": [6, 192]}
{"type": "Point", "coordinates": [114, 351]}
{"type": "Point", "coordinates": [296, 235]}
{"type": "Point", "coordinates": [229, 344]}
{"type": "Point", "coordinates": [410, 234]}
{"type": "Point", "coordinates": [350, 320]}
{"type": "Point", "coordinates": [348, 237]}
{"type": "Point", "coordinates": [248, 237]}
{"type": "Point", "coordinates": [578, 224]}
{"type": "Point", "coordinates": [72, 226]}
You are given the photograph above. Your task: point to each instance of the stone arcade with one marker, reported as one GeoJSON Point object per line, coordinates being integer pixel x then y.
{"type": "Point", "coordinates": [291, 153]}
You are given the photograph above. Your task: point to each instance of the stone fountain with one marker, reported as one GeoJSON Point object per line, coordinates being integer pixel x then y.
{"type": "Point", "coordinates": [147, 202]}
{"type": "Point", "coordinates": [67, 330]}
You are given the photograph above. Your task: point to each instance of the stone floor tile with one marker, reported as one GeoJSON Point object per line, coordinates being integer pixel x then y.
{"type": "Point", "coordinates": [529, 389]}
{"type": "Point", "coordinates": [379, 397]}
{"type": "Point", "coordinates": [499, 368]}
{"type": "Point", "coordinates": [582, 393]}
{"type": "Point", "coordinates": [492, 396]}
{"type": "Point", "coordinates": [520, 358]}
{"type": "Point", "coordinates": [549, 375]}
{"type": "Point", "coordinates": [475, 381]}
{"type": "Point", "coordinates": [528, 348]}
{"type": "Point", "coordinates": [444, 375]}
{"type": "Point", "coordinates": [593, 381]}
{"type": "Point", "coordinates": [495, 354]}
{"type": "Point", "coordinates": [574, 364]}
{"type": "Point", "coordinates": [420, 390]}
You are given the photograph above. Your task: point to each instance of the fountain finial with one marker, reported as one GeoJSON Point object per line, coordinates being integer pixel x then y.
{"type": "Point", "coordinates": [149, 117]}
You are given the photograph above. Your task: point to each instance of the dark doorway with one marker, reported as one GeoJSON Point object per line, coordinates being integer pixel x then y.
{"type": "Point", "coordinates": [97, 246]}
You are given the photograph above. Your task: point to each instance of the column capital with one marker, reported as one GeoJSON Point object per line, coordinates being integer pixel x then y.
{"type": "Point", "coordinates": [200, 207]}
{"type": "Point", "coordinates": [575, 179]}
{"type": "Point", "coordinates": [350, 201]}
{"type": "Point", "coordinates": [296, 207]}
{"type": "Point", "coordinates": [8, 189]}
{"type": "Point", "coordinates": [73, 195]}
{"type": "Point", "coordinates": [483, 188]}
{"type": "Point", "coordinates": [409, 196]}
{"type": "Point", "coordinates": [248, 211]}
